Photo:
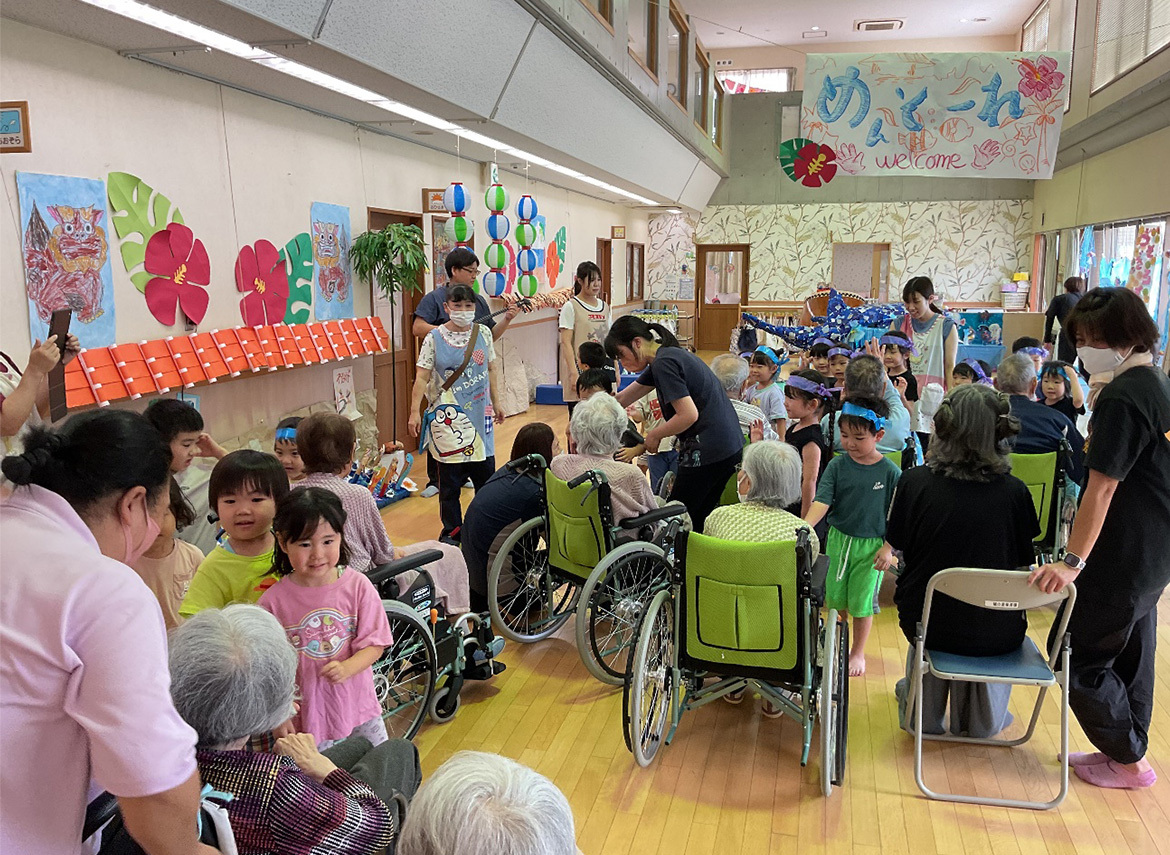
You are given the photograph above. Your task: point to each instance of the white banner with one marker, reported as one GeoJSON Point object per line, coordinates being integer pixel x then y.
{"type": "Point", "coordinates": [970, 115]}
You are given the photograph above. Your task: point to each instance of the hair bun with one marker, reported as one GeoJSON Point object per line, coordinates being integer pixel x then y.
{"type": "Point", "coordinates": [22, 469]}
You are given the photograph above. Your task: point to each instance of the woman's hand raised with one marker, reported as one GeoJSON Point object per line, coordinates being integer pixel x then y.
{"type": "Point", "coordinates": [302, 748]}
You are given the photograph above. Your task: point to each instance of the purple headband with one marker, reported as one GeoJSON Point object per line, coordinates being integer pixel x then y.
{"type": "Point", "coordinates": [821, 339]}
{"type": "Point", "coordinates": [1034, 351]}
{"type": "Point", "coordinates": [806, 385]}
{"type": "Point", "coordinates": [898, 341]}
{"type": "Point", "coordinates": [840, 351]}
{"type": "Point", "coordinates": [978, 369]}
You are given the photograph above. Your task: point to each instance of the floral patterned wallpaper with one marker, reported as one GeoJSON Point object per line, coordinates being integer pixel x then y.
{"type": "Point", "coordinates": [967, 247]}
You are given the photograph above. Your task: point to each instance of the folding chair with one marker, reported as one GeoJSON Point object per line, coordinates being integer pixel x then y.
{"type": "Point", "coordinates": [1002, 590]}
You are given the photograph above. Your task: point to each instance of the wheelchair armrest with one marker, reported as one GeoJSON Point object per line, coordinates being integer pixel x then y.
{"type": "Point", "coordinates": [411, 562]}
{"type": "Point", "coordinates": [674, 509]}
{"type": "Point", "coordinates": [97, 813]}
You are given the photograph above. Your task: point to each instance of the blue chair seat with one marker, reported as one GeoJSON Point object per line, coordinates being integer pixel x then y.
{"type": "Point", "coordinates": [1025, 664]}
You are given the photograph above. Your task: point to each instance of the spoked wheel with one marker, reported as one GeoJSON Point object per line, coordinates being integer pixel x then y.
{"type": "Point", "coordinates": [611, 605]}
{"type": "Point", "coordinates": [830, 667]}
{"type": "Point", "coordinates": [648, 697]}
{"type": "Point", "coordinates": [841, 704]}
{"type": "Point", "coordinates": [404, 677]}
{"type": "Point", "coordinates": [527, 603]}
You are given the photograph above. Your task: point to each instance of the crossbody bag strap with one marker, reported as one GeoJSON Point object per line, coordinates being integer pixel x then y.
{"type": "Point", "coordinates": [471, 342]}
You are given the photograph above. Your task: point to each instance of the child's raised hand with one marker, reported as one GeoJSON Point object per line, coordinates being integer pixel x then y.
{"type": "Point", "coordinates": [627, 455]}
{"type": "Point", "coordinates": [208, 447]}
{"type": "Point", "coordinates": [335, 672]}
{"type": "Point", "coordinates": [756, 431]}
{"type": "Point", "coordinates": [874, 348]}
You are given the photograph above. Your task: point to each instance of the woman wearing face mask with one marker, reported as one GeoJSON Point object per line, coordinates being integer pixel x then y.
{"type": "Point", "coordinates": [84, 691]}
{"type": "Point", "coordinates": [584, 317]}
{"type": "Point", "coordinates": [1119, 545]}
{"type": "Point", "coordinates": [444, 353]}
{"type": "Point", "coordinates": [935, 336]}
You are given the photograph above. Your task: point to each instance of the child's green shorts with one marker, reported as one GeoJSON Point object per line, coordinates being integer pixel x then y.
{"type": "Point", "coordinates": [852, 577]}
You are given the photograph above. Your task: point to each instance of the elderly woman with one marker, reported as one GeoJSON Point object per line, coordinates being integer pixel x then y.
{"type": "Point", "coordinates": [1117, 550]}
{"type": "Point", "coordinates": [732, 373]}
{"type": "Point", "coordinates": [233, 674]}
{"type": "Point", "coordinates": [597, 426]}
{"type": "Point", "coordinates": [962, 509]}
{"type": "Point", "coordinates": [477, 803]}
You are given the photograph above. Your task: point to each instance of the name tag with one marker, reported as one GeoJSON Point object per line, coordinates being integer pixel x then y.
{"type": "Point", "coordinates": [1001, 604]}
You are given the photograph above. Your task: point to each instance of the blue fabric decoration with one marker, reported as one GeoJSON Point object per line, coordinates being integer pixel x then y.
{"type": "Point", "coordinates": [839, 324]}
{"type": "Point", "coordinates": [851, 409]}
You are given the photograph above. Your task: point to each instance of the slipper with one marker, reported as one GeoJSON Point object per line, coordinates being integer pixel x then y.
{"type": "Point", "coordinates": [1085, 758]}
{"type": "Point", "coordinates": [1112, 776]}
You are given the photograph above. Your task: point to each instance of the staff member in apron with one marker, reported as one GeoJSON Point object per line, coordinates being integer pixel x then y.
{"type": "Point", "coordinates": [584, 317]}
{"type": "Point", "coordinates": [934, 335]}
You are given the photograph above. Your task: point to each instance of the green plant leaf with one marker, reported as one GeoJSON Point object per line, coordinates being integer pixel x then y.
{"type": "Point", "coordinates": [298, 255]}
{"type": "Point", "coordinates": [137, 209]}
{"type": "Point", "coordinates": [392, 259]}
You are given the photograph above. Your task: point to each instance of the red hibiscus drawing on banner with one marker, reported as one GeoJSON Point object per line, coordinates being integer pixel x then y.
{"type": "Point", "coordinates": [262, 278]}
{"type": "Point", "coordinates": [1039, 79]}
{"type": "Point", "coordinates": [815, 165]}
{"type": "Point", "coordinates": [181, 272]}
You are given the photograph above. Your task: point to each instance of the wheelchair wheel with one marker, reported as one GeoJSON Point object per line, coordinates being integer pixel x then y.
{"type": "Point", "coordinates": [835, 667]}
{"type": "Point", "coordinates": [404, 677]}
{"type": "Point", "coordinates": [442, 708]}
{"type": "Point", "coordinates": [527, 603]}
{"type": "Point", "coordinates": [648, 697]}
{"type": "Point", "coordinates": [611, 604]}
{"type": "Point", "coordinates": [841, 704]}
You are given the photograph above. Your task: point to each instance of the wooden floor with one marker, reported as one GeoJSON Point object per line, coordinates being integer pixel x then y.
{"type": "Point", "coordinates": [731, 781]}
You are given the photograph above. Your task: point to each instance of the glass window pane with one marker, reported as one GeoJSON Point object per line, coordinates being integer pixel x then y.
{"type": "Point", "coordinates": [698, 84]}
{"type": "Point", "coordinates": [722, 278]}
{"type": "Point", "coordinates": [642, 17]}
{"type": "Point", "coordinates": [676, 60]}
{"type": "Point", "coordinates": [756, 80]}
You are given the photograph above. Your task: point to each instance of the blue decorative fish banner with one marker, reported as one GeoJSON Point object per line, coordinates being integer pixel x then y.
{"type": "Point", "coordinates": [842, 322]}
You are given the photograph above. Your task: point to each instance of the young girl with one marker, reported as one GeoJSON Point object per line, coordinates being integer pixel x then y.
{"type": "Point", "coordinates": [584, 317]}
{"type": "Point", "coordinates": [839, 356]}
{"type": "Point", "coordinates": [334, 619]}
{"type": "Point", "coordinates": [935, 336]}
{"type": "Point", "coordinates": [896, 351]}
{"type": "Point", "coordinates": [244, 489]}
{"type": "Point", "coordinates": [765, 390]}
{"type": "Point", "coordinates": [1060, 390]}
{"type": "Point", "coordinates": [818, 355]}
{"type": "Point", "coordinates": [169, 565]}
{"type": "Point", "coordinates": [807, 397]}
{"type": "Point", "coordinates": [285, 449]}
{"type": "Point", "coordinates": [971, 371]}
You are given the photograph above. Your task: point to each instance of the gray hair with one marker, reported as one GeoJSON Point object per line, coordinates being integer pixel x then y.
{"type": "Point", "coordinates": [774, 468]}
{"type": "Point", "coordinates": [972, 432]}
{"type": "Point", "coordinates": [865, 377]}
{"type": "Point", "coordinates": [1016, 374]}
{"type": "Point", "coordinates": [485, 804]}
{"type": "Point", "coordinates": [598, 423]}
{"type": "Point", "coordinates": [233, 673]}
{"type": "Point", "coordinates": [731, 371]}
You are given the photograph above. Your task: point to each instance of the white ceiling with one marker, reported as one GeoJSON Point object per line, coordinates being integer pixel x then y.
{"type": "Point", "coordinates": [722, 24]}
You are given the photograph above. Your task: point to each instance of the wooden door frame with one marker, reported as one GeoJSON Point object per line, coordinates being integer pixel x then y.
{"type": "Point", "coordinates": [701, 250]}
{"type": "Point", "coordinates": [605, 263]}
{"type": "Point", "coordinates": [633, 298]}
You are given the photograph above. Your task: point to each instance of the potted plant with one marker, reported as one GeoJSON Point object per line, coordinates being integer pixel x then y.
{"type": "Point", "coordinates": [392, 259]}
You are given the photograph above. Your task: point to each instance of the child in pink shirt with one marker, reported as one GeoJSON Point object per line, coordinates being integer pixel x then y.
{"type": "Point", "coordinates": [332, 615]}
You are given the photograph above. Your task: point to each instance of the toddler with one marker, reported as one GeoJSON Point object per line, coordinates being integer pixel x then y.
{"type": "Point", "coordinates": [169, 565]}
{"type": "Point", "coordinates": [1060, 390]}
{"type": "Point", "coordinates": [244, 489]}
{"type": "Point", "coordinates": [764, 389]}
{"type": "Point", "coordinates": [896, 350]}
{"type": "Point", "coordinates": [181, 427]}
{"type": "Point", "coordinates": [818, 355]}
{"type": "Point", "coordinates": [333, 617]}
{"type": "Point", "coordinates": [646, 413]}
{"type": "Point", "coordinates": [1034, 348]}
{"type": "Point", "coordinates": [808, 397]}
{"type": "Point", "coordinates": [971, 371]}
{"type": "Point", "coordinates": [285, 449]}
{"type": "Point", "coordinates": [839, 356]}
{"type": "Point", "coordinates": [591, 354]}
{"type": "Point", "coordinates": [855, 493]}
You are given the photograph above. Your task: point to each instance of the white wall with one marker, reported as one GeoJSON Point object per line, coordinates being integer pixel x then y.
{"type": "Point", "coordinates": [240, 168]}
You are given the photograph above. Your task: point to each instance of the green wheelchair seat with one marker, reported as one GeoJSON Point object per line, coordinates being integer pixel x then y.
{"type": "Point", "coordinates": [740, 603]}
{"type": "Point", "coordinates": [578, 533]}
{"type": "Point", "coordinates": [894, 457]}
{"type": "Point", "coordinates": [730, 495]}
{"type": "Point", "coordinates": [1038, 472]}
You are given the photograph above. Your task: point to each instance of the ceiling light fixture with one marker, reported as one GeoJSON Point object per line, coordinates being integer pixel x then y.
{"type": "Point", "coordinates": [814, 28]}
{"type": "Point", "coordinates": [215, 40]}
{"type": "Point", "coordinates": [814, 34]}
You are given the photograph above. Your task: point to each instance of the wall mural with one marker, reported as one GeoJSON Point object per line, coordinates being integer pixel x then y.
{"type": "Point", "coordinates": [967, 247]}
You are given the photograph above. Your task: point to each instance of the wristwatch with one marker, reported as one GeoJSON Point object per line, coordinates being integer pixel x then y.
{"type": "Point", "coordinates": [1074, 561]}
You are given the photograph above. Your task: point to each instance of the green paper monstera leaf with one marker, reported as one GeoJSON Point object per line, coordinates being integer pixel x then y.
{"type": "Point", "coordinates": [298, 254]}
{"type": "Point", "coordinates": [137, 210]}
{"type": "Point", "coordinates": [789, 149]}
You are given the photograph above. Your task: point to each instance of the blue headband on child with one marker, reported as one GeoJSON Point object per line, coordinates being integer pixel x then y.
{"type": "Point", "coordinates": [898, 341]}
{"type": "Point", "coordinates": [286, 433]}
{"type": "Point", "coordinates": [771, 354]}
{"type": "Point", "coordinates": [1034, 351]}
{"type": "Point", "coordinates": [840, 351]}
{"type": "Point", "coordinates": [974, 365]}
{"type": "Point", "coordinates": [806, 385]}
{"type": "Point", "coordinates": [848, 409]}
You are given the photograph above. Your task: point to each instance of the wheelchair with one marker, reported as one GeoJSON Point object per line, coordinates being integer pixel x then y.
{"type": "Point", "coordinates": [424, 669]}
{"type": "Point", "coordinates": [1046, 478]}
{"type": "Point", "coordinates": [735, 616]}
{"type": "Point", "coordinates": [574, 559]}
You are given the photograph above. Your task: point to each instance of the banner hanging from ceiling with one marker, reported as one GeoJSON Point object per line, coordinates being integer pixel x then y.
{"type": "Point", "coordinates": [966, 115]}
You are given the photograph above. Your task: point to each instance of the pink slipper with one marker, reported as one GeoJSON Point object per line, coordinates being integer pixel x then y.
{"type": "Point", "coordinates": [1085, 758]}
{"type": "Point", "coordinates": [1112, 776]}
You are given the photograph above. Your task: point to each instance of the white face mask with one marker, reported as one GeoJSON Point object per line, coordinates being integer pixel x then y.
{"type": "Point", "coordinates": [464, 318]}
{"type": "Point", "coordinates": [739, 487]}
{"type": "Point", "coordinates": [1101, 360]}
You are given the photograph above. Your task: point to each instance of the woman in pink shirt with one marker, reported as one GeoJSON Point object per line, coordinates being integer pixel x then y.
{"type": "Point", "coordinates": [84, 686]}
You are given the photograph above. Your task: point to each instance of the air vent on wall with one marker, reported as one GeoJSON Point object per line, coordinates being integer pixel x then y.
{"type": "Point", "coordinates": [814, 34]}
{"type": "Point", "coordinates": [724, 63]}
{"type": "Point", "coordinates": [878, 26]}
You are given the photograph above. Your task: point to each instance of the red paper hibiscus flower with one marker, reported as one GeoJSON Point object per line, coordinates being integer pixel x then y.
{"type": "Point", "coordinates": [262, 278]}
{"type": "Point", "coordinates": [181, 269]}
{"type": "Point", "coordinates": [815, 165]}
{"type": "Point", "coordinates": [1039, 79]}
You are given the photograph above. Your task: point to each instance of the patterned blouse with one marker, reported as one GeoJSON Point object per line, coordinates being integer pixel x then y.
{"type": "Point", "coordinates": [753, 522]}
{"type": "Point", "coordinates": [365, 535]}
{"type": "Point", "coordinates": [279, 810]}
{"type": "Point", "coordinates": [629, 491]}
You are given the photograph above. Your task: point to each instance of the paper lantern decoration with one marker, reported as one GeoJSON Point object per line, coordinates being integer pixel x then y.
{"type": "Point", "coordinates": [495, 282]}
{"type": "Point", "coordinates": [526, 282]}
{"type": "Point", "coordinates": [459, 228]}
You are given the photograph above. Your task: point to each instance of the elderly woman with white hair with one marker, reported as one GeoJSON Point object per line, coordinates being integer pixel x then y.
{"type": "Point", "coordinates": [597, 426]}
{"type": "Point", "coordinates": [485, 804]}
{"type": "Point", "coordinates": [732, 372]}
{"type": "Point", "coordinates": [233, 675]}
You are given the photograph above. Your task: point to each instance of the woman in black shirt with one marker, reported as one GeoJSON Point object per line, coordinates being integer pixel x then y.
{"type": "Point", "coordinates": [1119, 548]}
{"type": "Point", "coordinates": [962, 509]}
{"type": "Point", "coordinates": [1058, 311]}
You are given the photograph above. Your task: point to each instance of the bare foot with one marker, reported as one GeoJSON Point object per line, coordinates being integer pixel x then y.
{"type": "Point", "coordinates": [856, 664]}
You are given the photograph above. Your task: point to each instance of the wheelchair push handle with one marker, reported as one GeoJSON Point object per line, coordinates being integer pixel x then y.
{"type": "Point", "coordinates": [527, 463]}
{"type": "Point", "coordinates": [411, 562]}
{"type": "Point", "coordinates": [596, 478]}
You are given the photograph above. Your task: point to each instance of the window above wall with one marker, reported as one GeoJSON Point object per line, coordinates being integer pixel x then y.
{"type": "Point", "coordinates": [603, 9]}
{"type": "Point", "coordinates": [1128, 33]}
{"type": "Point", "coordinates": [676, 56]}
{"type": "Point", "coordinates": [757, 80]}
{"type": "Point", "coordinates": [642, 22]}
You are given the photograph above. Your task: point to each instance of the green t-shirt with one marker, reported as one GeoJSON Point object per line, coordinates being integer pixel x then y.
{"type": "Point", "coordinates": [858, 495]}
{"type": "Point", "coordinates": [224, 578]}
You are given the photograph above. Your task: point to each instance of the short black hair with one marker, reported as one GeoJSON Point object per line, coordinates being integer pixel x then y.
{"type": "Point", "coordinates": [1055, 368]}
{"type": "Point", "coordinates": [962, 369]}
{"type": "Point", "coordinates": [247, 470]}
{"type": "Point", "coordinates": [592, 353]}
{"type": "Point", "coordinates": [460, 294]}
{"type": "Point", "coordinates": [595, 378]}
{"type": "Point", "coordinates": [1025, 341]}
{"type": "Point", "coordinates": [904, 349]}
{"type": "Point", "coordinates": [1116, 316]}
{"type": "Point", "coordinates": [460, 258]}
{"type": "Point", "coordinates": [297, 516]}
{"type": "Point", "coordinates": [181, 509]}
{"type": "Point", "coordinates": [171, 417]}
{"type": "Point", "coordinates": [820, 351]}
{"type": "Point", "coordinates": [879, 407]}
{"type": "Point", "coordinates": [811, 375]}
